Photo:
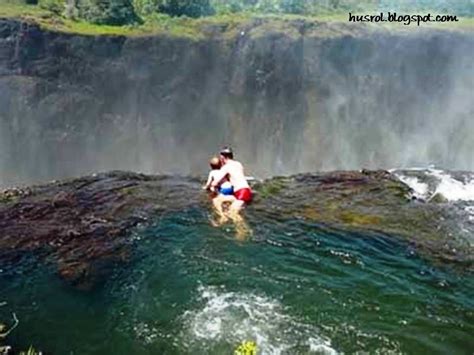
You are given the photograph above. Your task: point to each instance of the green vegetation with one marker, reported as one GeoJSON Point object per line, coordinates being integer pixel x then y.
{"type": "Point", "coordinates": [271, 187]}
{"type": "Point", "coordinates": [190, 18]}
{"type": "Point", "coordinates": [191, 8]}
{"type": "Point", "coordinates": [154, 24]}
{"type": "Point", "coordinates": [102, 12]}
{"type": "Point", "coordinates": [55, 6]}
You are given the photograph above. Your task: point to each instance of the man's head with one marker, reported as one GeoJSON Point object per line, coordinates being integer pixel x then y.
{"type": "Point", "coordinates": [215, 163]}
{"type": "Point", "coordinates": [226, 154]}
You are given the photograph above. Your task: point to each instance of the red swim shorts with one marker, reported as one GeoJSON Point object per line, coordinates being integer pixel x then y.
{"type": "Point", "coordinates": [244, 194]}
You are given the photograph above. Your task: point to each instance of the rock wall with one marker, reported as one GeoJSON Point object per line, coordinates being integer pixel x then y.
{"type": "Point", "coordinates": [289, 96]}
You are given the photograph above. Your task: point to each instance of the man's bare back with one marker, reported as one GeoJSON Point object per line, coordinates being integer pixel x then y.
{"type": "Point", "coordinates": [234, 171]}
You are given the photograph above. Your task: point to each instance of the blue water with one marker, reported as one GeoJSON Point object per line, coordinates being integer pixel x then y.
{"type": "Point", "coordinates": [293, 287]}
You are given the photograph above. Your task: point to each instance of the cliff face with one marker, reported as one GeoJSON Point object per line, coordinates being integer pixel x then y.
{"type": "Point", "coordinates": [292, 97]}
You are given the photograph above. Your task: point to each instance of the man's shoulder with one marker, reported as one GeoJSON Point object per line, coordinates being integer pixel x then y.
{"type": "Point", "coordinates": [236, 163]}
{"type": "Point", "coordinates": [233, 165]}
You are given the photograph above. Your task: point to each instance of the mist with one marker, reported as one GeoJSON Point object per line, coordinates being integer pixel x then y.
{"type": "Point", "coordinates": [306, 98]}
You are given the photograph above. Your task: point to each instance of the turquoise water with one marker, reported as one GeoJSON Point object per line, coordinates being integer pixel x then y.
{"type": "Point", "coordinates": [293, 287]}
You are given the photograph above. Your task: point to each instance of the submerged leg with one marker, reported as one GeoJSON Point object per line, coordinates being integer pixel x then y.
{"type": "Point", "coordinates": [218, 206]}
{"type": "Point", "coordinates": [242, 230]}
{"type": "Point", "coordinates": [218, 203]}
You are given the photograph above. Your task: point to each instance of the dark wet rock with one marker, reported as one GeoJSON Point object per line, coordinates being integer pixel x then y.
{"type": "Point", "coordinates": [374, 201]}
{"type": "Point", "coordinates": [64, 199]}
{"type": "Point", "coordinates": [83, 227]}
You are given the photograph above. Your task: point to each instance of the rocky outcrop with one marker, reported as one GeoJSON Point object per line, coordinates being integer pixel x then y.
{"type": "Point", "coordinates": [85, 226]}
{"type": "Point", "coordinates": [290, 95]}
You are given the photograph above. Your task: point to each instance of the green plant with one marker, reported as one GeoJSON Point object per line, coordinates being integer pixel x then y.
{"type": "Point", "coordinates": [108, 12]}
{"type": "Point", "coordinates": [294, 6]}
{"type": "Point", "coordinates": [146, 7]}
{"type": "Point", "coordinates": [233, 6]}
{"type": "Point", "coordinates": [190, 8]}
{"type": "Point", "coordinates": [55, 6]}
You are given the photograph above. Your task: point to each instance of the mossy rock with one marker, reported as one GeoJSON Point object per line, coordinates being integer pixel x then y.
{"type": "Point", "coordinates": [5, 198]}
{"type": "Point", "coordinates": [271, 187]}
{"type": "Point", "coordinates": [438, 198]}
{"type": "Point", "coordinates": [359, 219]}
{"type": "Point", "coordinates": [13, 195]}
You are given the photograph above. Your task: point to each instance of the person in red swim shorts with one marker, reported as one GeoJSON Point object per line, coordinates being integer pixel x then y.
{"type": "Point", "coordinates": [234, 170]}
{"type": "Point", "coordinates": [244, 194]}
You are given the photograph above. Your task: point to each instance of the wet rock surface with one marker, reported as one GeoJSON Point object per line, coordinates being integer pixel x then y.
{"type": "Point", "coordinates": [373, 201]}
{"type": "Point", "coordinates": [84, 226]}
{"type": "Point", "coordinates": [81, 226]}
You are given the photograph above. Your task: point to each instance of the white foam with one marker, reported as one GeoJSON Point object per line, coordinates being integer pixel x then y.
{"type": "Point", "coordinates": [470, 211]}
{"type": "Point", "coordinates": [317, 347]}
{"type": "Point", "coordinates": [415, 168]}
{"type": "Point", "coordinates": [453, 189]}
{"type": "Point", "coordinates": [231, 317]}
{"type": "Point", "coordinates": [148, 334]}
{"type": "Point", "coordinates": [420, 189]}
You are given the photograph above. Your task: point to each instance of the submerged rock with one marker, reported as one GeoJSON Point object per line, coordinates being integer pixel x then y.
{"type": "Point", "coordinates": [83, 226]}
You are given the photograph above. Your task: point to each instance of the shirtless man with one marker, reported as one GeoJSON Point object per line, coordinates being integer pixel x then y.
{"type": "Point", "coordinates": [235, 172]}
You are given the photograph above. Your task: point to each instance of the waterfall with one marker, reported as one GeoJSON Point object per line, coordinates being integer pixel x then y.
{"type": "Point", "coordinates": [303, 97]}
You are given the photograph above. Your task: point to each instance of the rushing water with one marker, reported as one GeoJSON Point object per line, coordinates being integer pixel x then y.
{"type": "Point", "coordinates": [289, 95]}
{"type": "Point", "coordinates": [293, 287]}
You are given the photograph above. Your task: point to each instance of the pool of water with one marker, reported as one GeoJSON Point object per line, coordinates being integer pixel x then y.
{"type": "Point", "coordinates": [293, 287]}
